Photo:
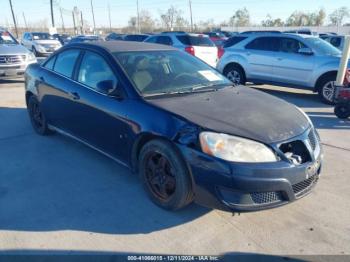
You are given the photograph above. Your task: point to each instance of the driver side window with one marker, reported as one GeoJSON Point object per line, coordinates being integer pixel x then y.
{"type": "Point", "coordinates": [94, 69]}
{"type": "Point", "coordinates": [290, 45]}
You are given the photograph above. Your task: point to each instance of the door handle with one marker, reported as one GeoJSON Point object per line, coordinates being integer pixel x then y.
{"type": "Point", "coordinates": [74, 95]}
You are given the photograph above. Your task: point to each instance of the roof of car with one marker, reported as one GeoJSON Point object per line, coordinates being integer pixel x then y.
{"type": "Point", "coordinates": [126, 46]}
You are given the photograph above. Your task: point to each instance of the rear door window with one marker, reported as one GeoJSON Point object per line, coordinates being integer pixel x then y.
{"type": "Point", "coordinates": [164, 40]}
{"type": "Point", "coordinates": [50, 63]}
{"type": "Point", "coordinates": [234, 40]}
{"type": "Point", "coordinates": [263, 44]}
{"type": "Point", "coordinates": [65, 62]}
{"type": "Point", "coordinates": [195, 40]}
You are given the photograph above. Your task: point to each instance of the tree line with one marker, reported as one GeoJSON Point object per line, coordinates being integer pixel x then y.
{"type": "Point", "coordinates": [173, 19]}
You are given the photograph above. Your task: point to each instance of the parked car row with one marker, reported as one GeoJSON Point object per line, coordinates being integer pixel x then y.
{"type": "Point", "coordinates": [296, 60]}
{"type": "Point", "coordinates": [292, 58]}
{"type": "Point", "coordinates": [14, 58]}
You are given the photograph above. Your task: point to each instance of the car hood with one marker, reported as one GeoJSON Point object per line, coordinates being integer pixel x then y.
{"type": "Point", "coordinates": [240, 111]}
{"type": "Point", "coordinates": [47, 42]}
{"type": "Point", "coordinates": [13, 50]}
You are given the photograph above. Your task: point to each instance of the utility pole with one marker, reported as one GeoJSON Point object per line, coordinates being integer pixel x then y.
{"type": "Point", "coordinates": [82, 22]}
{"type": "Point", "coordinates": [190, 4]}
{"type": "Point", "coordinates": [25, 21]}
{"type": "Point", "coordinates": [63, 28]}
{"type": "Point", "coordinates": [14, 19]}
{"type": "Point", "coordinates": [52, 17]}
{"type": "Point", "coordinates": [138, 16]}
{"type": "Point", "coordinates": [109, 16]}
{"type": "Point", "coordinates": [93, 15]}
{"type": "Point", "coordinates": [74, 23]}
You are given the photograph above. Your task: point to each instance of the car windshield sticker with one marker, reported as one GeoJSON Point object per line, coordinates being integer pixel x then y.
{"type": "Point", "coordinates": [209, 75]}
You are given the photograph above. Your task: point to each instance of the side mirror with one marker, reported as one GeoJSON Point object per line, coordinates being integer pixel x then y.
{"type": "Point", "coordinates": [109, 88]}
{"type": "Point", "coordinates": [305, 51]}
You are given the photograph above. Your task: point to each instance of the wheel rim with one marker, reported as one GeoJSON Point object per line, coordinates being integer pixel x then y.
{"type": "Point", "coordinates": [234, 77]}
{"type": "Point", "coordinates": [328, 91]}
{"type": "Point", "coordinates": [36, 115]}
{"type": "Point", "coordinates": [160, 176]}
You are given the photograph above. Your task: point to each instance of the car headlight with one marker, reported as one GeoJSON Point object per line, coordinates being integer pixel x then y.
{"type": "Point", "coordinates": [41, 48]}
{"type": "Point", "coordinates": [235, 149]}
{"type": "Point", "coordinates": [31, 57]}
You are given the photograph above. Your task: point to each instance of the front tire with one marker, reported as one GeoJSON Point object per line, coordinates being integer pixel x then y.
{"type": "Point", "coordinates": [235, 74]}
{"type": "Point", "coordinates": [37, 117]}
{"type": "Point", "coordinates": [165, 175]}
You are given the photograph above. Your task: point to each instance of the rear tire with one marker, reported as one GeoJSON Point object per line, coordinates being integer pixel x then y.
{"type": "Point", "coordinates": [37, 118]}
{"type": "Point", "coordinates": [235, 74]}
{"type": "Point", "coordinates": [164, 175]}
{"type": "Point", "coordinates": [342, 110]}
{"type": "Point", "coordinates": [326, 89]}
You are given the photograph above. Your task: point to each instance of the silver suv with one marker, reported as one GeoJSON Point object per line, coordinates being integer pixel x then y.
{"type": "Point", "coordinates": [299, 61]}
{"type": "Point", "coordinates": [41, 44]}
{"type": "Point", "coordinates": [14, 58]}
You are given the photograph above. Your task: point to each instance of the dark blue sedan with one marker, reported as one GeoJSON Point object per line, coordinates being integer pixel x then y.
{"type": "Point", "coordinates": [177, 122]}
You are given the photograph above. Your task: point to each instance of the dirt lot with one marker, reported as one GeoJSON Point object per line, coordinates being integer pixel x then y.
{"type": "Point", "coordinates": [56, 194]}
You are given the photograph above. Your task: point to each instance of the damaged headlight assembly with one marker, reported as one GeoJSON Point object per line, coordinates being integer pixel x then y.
{"type": "Point", "coordinates": [235, 149]}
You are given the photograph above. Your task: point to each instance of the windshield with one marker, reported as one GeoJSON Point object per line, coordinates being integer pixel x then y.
{"type": "Point", "coordinates": [322, 47]}
{"type": "Point", "coordinates": [42, 36]}
{"type": "Point", "coordinates": [7, 39]}
{"type": "Point", "coordinates": [159, 72]}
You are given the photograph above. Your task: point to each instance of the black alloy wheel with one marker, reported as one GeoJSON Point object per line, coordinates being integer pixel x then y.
{"type": "Point", "coordinates": [165, 175]}
{"type": "Point", "coordinates": [37, 118]}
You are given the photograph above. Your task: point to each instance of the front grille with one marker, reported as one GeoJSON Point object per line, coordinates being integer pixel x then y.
{"type": "Point", "coordinates": [313, 139]}
{"type": "Point", "coordinates": [266, 197]}
{"type": "Point", "coordinates": [12, 59]}
{"type": "Point", "coordinates": [304, 186]}
{"type": "Point", "coordinates": [296, 152]}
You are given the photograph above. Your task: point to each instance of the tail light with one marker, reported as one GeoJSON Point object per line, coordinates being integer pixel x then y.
{"type": "Point", "coordinates": [190, 50]}
{"type": "Point", "coordinates": [221, 52]}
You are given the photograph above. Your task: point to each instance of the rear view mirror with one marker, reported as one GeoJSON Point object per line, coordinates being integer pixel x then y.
{"type": "Point", "coordinates": [305, 51]}
{"type": "Point", "coordinates": [108, 87]}
{"type": "Point", "coordinates": [105, 86]}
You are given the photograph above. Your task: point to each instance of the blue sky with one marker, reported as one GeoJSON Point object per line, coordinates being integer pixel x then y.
{"type": "Point", "coordinates": [121, 10]}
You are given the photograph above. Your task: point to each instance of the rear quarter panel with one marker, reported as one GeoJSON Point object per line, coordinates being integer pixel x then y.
{"type": "Point", "coordinates": [234, 56]}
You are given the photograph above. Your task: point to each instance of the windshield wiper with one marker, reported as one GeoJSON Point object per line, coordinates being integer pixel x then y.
{"type": "Point", "coordinates": [193, 89]}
